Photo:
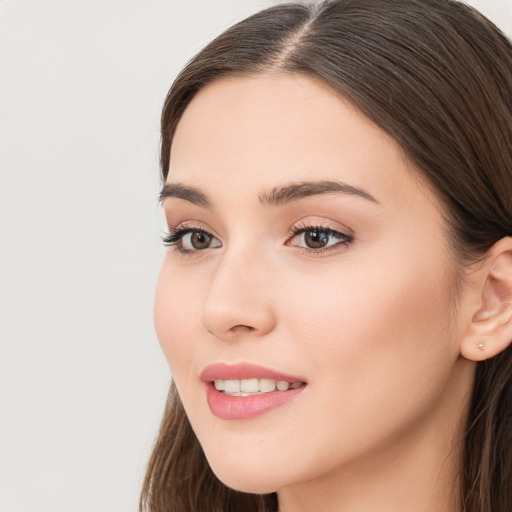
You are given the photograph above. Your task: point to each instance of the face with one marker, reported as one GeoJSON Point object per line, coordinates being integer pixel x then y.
{"type": "Point", "coordinates": [304, 250]}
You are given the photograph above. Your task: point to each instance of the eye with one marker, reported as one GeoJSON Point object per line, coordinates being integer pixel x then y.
{"type": "Point", "coordinates": [318, 238]}
{"type": "Point", "coordinates": [189, 240]}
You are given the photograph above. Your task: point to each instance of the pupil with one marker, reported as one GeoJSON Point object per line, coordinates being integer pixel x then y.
{"type": "Point", "coordinates": [316, 239]}
{"type": "Point", "coordinates": [200, 240]}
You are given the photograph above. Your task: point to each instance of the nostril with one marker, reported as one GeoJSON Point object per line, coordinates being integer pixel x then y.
{"type": "Point", "coordinates": [241, 328]}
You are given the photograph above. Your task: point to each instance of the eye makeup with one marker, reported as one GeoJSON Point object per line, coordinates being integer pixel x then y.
{"type": "Point", "coordinates": [310, 238]}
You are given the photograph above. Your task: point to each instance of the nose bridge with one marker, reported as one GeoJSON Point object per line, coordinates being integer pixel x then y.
{"type": "Point", "coordinates": [239, 299]}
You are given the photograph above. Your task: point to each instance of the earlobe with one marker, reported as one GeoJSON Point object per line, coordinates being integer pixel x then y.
{"type": "Point", "coordinates": [490, 330]}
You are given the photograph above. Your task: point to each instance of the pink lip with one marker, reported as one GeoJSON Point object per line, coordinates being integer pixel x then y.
{"type": "Point", "coordinates": [241, 408]}
{"type": "Point", "coordinates": [241, 371]}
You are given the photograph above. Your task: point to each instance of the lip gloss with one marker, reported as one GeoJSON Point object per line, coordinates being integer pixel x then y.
{"type": "Point", "coordinates": [229, 407]}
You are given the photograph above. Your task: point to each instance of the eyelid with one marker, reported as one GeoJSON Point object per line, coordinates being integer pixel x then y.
{"type": "Point", "coordinates": [323, 225]}
{"type": "Point", "coordinates": [192, 225]}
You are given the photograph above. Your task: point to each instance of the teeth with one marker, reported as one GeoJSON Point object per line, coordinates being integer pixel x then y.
{"type": "Point", "coordinates": [267, 385]}
{"type": "Point", "coordinates": [220, 384]}
{"type": "Point", "coordinates": [282, 385]}
{"type": "Point", "coordinates": [248, 387]}
{"type": "Point", "coordinates": [232, 386]}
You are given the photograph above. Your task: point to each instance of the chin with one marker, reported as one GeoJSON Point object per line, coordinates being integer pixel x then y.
{"type": "Point", "coordinates": [248, 486]}
{"type": "Point", "coordinates": [249, 479]}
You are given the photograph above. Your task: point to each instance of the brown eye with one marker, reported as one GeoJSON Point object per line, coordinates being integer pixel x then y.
{"type": "Point", "coordinates": [188, 240]}
{"type": "Point", "coordinates": [197, 240]}
{"type": "Point", "coordinates": [316, 239]}
{"type": "Point", "coordinates": [200, 240]}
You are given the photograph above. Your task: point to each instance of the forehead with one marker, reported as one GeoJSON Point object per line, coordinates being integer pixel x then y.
{"type": "Point", "coordinates": [254, 132]}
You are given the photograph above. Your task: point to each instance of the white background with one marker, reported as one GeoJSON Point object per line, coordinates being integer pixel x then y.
{"type": "Point", "coordinates": [82, 379]}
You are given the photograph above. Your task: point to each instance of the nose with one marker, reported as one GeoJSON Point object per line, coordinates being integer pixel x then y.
{"type": "Point", "coordinates": [239, 300]}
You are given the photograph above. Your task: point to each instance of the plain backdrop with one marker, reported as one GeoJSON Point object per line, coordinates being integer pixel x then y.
{"type": "Point", "coordinates": [82, 378]}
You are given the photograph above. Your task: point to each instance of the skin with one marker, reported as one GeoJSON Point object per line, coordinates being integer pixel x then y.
{"type": "Point", "coordinates": [371, 325]}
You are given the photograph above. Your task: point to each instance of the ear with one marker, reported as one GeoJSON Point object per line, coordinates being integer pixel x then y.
{"type": "Point", "coordinates": [490, 328]}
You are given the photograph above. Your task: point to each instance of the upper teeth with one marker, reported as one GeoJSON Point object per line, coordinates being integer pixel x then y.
{"type": "Point", "coordinates": [245, 387]}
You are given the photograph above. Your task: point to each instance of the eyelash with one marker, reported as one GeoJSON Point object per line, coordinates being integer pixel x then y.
{"type": "Point", "coordinates": [345, 239]}
{"type": "Point", "coordinates": [176, 235]}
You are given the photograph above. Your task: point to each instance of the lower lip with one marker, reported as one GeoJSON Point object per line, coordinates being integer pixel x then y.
{"type": "Point", "coordinates": [228, 407]}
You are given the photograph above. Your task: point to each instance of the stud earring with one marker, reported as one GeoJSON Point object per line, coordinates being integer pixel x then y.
{"type": "Point", "coordinates": [481, 346]}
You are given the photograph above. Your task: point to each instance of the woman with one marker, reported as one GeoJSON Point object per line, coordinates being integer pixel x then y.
{"type": "Point", "coordinates": [336, 301]}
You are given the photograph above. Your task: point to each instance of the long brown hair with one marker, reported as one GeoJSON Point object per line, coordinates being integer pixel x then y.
{"type": "Point", "coordinates": [437, 76]}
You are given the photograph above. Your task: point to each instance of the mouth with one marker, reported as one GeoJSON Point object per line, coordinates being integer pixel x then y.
{"type": "Point", "coordinates": [252, 387]}
{"type": "Point", "coordinates": [244, 391]}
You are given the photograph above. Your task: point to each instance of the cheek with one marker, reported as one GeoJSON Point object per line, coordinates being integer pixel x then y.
{"type": "Point", "coordinates": [393, 315]}
{"type": "Point", "coordinates": [377, 345]}
{"type": "Point", "coordinates": [350, 311]}
{"type": "Point", "coordinates": [175, 318]}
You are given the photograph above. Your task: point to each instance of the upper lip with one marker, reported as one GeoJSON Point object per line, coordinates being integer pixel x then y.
{"type": "Point", "coordinates": [241, 371]}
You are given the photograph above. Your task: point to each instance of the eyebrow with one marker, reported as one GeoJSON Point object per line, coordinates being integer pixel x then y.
{"type": "Point", "coordinates": [277, 196]}
{"type": "Point", "coordinates": [191, 194]}
{"type": "Point", "coordinates": [301, 190]}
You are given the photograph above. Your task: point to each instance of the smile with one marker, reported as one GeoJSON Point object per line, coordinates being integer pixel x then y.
{"type": "Point", "coordinates": [243, 391]}
{"type": "Point", "coordinates": [251, 387]}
